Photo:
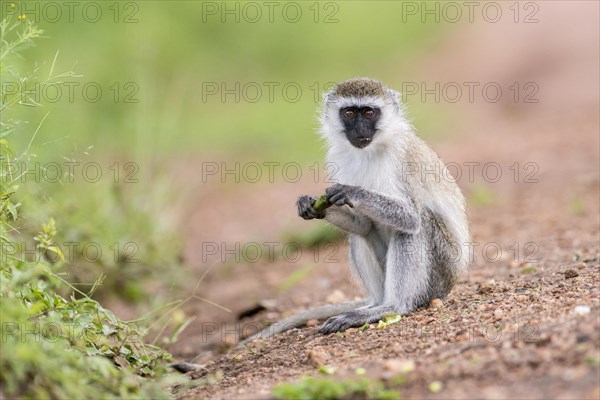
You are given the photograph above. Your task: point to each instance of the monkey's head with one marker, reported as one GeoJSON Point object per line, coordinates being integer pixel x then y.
{"type": "Point", "coordinates": [361, 112]}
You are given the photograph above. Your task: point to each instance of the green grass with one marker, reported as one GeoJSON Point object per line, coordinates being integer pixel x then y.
{"type": "Point", "coordinates": [330, 389]}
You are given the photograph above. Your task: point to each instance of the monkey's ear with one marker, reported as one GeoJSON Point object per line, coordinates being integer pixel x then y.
{"type": "Point", "coordinates": [396, 99]}
{"type": "Point", "coordinates": [394, 95]}
{"type": "Point", "coordinates": [328, 96]}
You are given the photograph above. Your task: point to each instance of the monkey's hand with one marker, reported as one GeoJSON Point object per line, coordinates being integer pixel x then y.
{"type": "Point", "coordinates": [306, 210]}
{"type": "Point", "coordinates": [340, 194]}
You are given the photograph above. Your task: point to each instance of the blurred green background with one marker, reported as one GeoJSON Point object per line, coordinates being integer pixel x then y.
{"type": "Point", "coordinates": [195, 77]}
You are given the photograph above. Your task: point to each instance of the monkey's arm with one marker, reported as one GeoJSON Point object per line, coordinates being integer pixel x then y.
{"type": "Point", "coordinates": [397, 212]}
{"type": "Point", "coordinates": [342, 217]}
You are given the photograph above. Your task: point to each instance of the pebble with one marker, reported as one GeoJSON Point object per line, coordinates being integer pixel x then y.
{"type": "Point", "coordinates": [317, 357]}
{"type": "Point", "coordinates": [582, 310]}
{"type": "Point", "coordinates": [312, 323]}
{"type": "Point", "coordinates": [485, 289]}
{"type": "Point", "coordinates": [436, 303]}
{"type": "Point", "coordinates": [571, 273]}
{"type": "Point", "coordinates": [337, 296]}
{"type": "Point", "coordinates": [231, 340]}
{"type": "Point", "coordinates": [399, 366]}
{"type": "Point", "coordinates": [498, 314]}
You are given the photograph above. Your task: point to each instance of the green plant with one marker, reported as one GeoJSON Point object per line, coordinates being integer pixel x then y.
{"type": "Point", "coordinates": [68, 348]}
{"type": "Point", "coordinates": [57, 342]}
{"type": "Point", "coordinates": [329, 389]}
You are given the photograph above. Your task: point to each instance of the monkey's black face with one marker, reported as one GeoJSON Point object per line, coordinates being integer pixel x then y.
{"type": "Point", "coordinates": [360, 124]}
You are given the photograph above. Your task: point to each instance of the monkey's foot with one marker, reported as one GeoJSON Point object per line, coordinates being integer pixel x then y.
{"type": "Point", "coordinates": [354, 318]}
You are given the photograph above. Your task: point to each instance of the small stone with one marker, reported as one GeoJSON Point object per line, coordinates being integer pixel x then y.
{"type": "Point", "coordinates": [485, 289]}
{"type": "Point", "coordinates": [436, 303]}
{"type": "Point", "coordinates": [582, 310]}
{"type": "Point", "coordinates": [230, 340]}
{"type": "Point", "coordinates": [571, 273]}
{"type": "Point", "coordinates": [311, 323]}
{"type": "Point", "coordinates": [498, 314]}
{"type": "Point", "coordinates": [269, 304]}
{"type": "Point", "coordinates": [582, 266]}
{"type": "Point", "coordinates": [351, 330]}
{"type": "Point", "coordinates": [337, 296]}
{"type": "Point", "coordinates": [521, 299]}
{"type": "Point", "coordinates": [317, 357]}
{"type": "Point", "coordinates": [399, 366]}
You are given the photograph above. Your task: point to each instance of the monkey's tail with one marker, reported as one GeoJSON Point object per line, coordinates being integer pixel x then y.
{"type": "Point", "coordinates": [303, 317]}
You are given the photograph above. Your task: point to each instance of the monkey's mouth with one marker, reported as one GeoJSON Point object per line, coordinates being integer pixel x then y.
{"type": "Point", "coordinates": [361, 142]}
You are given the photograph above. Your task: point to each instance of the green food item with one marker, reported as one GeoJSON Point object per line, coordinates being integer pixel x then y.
{"type": "Point", "coordinates": [436, 386]}
{"type": "Point", "coordinates": [327, 369]}
{"type": "Point", "coordinates": [389, 320]}
{"type": "Point", "coordinates": [321, 204]}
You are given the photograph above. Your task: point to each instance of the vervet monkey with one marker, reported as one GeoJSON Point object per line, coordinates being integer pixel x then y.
{"type": "Point", "coordinates": [405, 215]}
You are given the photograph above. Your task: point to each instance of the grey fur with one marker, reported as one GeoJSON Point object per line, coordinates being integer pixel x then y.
{"type": "Point", "coordinates": [408, 228]}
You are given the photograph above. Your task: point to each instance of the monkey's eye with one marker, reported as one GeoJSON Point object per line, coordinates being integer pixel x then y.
{"type": "Point", "coordinates": [368, 113]}
{"type": "Point", "coordinates": [349, 113]}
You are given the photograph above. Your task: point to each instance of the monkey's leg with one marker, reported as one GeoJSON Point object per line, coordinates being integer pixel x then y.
{"type": "Point", "coordinates": [355, 318]}
{"type": "Point", "coordinates": [406, 285]}
{"type": "Point", "coordinates": [367, 263]}
{"type": "Point", "coordinates": [302, 318]}
{"type": "Point", "coordinates": [367, 258]}
{"type": "Point", "coordinates": [447, 257]}
{"type": "Point", "coordinates": [348, 220]}
{"type": "Point", "coordinates": [407, 280]}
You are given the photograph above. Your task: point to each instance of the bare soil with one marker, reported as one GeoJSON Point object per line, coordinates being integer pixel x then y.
{"type": "Point", "coordinates": [525, 321]}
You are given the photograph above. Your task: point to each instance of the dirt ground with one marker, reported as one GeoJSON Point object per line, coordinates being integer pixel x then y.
{"type": "Point", "coordinates": [525, 321]}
